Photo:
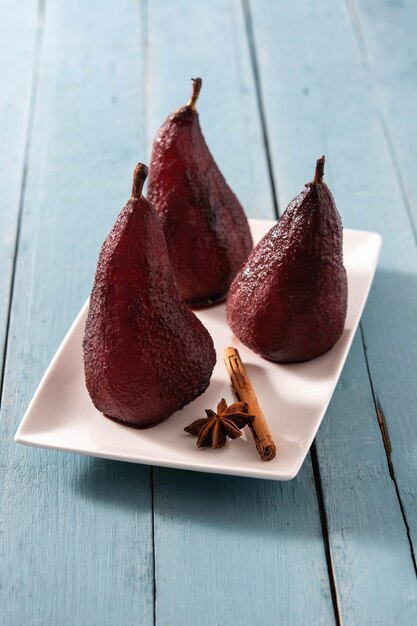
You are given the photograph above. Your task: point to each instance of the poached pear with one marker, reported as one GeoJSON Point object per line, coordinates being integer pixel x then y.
{"type": "Point", "coordinates": [205, 226]}
{"type": "Point", "coordinates": [288, 302]}
{"type": "Point", "coordinates": [146, 354]}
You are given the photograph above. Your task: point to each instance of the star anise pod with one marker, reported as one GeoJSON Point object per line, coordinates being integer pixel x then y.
{"type": "Point", "coordinates": [228, 421]}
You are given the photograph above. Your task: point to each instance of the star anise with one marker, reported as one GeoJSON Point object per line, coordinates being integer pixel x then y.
{"type": "Point", "coordinates": [228, 421]}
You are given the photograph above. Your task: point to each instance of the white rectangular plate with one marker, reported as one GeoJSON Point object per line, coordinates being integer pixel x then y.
{"type": "Point", "coordinates": [294, 397]}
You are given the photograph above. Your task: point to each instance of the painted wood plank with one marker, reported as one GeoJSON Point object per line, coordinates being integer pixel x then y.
{"type": "Point", "coordinates": [391, 48]}
{"type": "Point", "coordinates": [370, 551]}
{"type": "Point", "coordinates": [228, 550]}
{"type": "Point", "coordinates": [77, 534]}
{"type": "Point", "coordinates": [18, 32]}
{"type": "Point", "coordinates": [319, 100]}
{"type": "Point", "coordinates": [386, 33]}
{"type": "Point", "coordinates": [238, 551]}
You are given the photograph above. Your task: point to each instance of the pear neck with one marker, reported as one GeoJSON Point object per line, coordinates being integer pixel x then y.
{"type": "Point", "coordinates": [139, 176]}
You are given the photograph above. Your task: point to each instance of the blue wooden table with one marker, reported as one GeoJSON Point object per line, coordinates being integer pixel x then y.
{"type": "Point", "coordinates": [85, 85]}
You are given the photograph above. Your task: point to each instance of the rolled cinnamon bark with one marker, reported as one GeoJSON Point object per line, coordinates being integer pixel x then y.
{"type": "Point", "coordinates": [244, 392]}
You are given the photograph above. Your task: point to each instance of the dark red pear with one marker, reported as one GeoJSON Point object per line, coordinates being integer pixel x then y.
{"type": "Point", "coordinates": [288, 302]}
{"type": "Point", "coordinates": [146, 354]}
{"type": "Point", "coordinates": [205, 226]}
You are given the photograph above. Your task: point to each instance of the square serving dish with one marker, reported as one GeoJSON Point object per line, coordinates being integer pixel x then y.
{"type": "Point", "coordinates": [294, 398]}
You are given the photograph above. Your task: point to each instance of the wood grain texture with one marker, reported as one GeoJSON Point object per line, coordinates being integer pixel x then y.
{"type": "Point", "coordinates": [239, 551]}
{"type": "Point", "coordinates": [390, 52]}
{"type": "Point", "coordinates": [227, 550]}
{"type": "Point", "coordinates": [77, 534]}
{"type": "Point", "coordinates": [19, 26]}
{"type": "Point", "coordinates": [386, 34]}
{"type": "Point", "coordinates": [367, 539]}
{"type": "Point", "coordinates": [319, 100]}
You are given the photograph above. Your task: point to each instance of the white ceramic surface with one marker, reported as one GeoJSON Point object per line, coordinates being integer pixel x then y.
{"type": "Point", "coordinates": [294, 397]}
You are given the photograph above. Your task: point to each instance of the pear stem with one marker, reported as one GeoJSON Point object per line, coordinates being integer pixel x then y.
{"type": "Point", "coordinates": [139, 176]}
{"type": "Point", "coordinates": [197, 82]}
{"type": "Point", "coordinates": [318, 176]}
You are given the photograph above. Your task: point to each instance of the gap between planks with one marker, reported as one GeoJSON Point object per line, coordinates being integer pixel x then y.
{"type": "Point", "coordinates": [313, 452]}
{"type": "Point", "coordinates": [387, 447]}
{"type": "Point", "coordinates": [364, 53]}
{"type": "Point", "coordinates": [258, 91]}
{"type": "Point", "coordinates": [146, 73]}
{"type": "Point", "coordinates": [325, 532]}
{"type": "Point", "coordinates": [25, 169]}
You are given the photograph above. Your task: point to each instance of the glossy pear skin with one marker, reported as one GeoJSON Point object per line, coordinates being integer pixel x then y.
{"type": "Point", "coordinates": [288, 302]}
{"type": "Point", "coordinates": [205, 227]}
{"type": "Point", "coordinates": [146, 354]}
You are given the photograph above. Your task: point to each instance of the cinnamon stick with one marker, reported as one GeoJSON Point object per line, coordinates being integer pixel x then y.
{"type": "Point", "coordinates": [244, 392]}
